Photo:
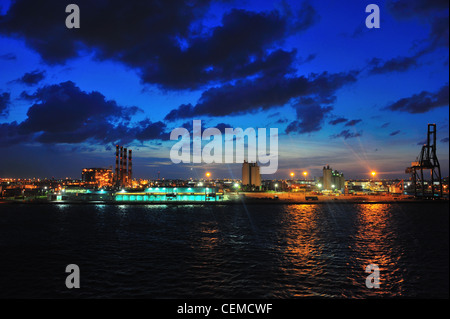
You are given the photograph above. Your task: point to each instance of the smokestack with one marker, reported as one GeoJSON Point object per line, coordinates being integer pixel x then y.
{"type": "Point", "coordinates": [130, 169]}
{"type": "Point", "coordinates": [125, 171]}
{"type": "Point", "coordinates": [116, 176]}
{"type": "Point", "coordinates": [121, 167]}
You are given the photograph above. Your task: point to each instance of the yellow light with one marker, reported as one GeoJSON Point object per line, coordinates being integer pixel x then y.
{"type": "Point", "coordinates": [373, 174]}
{"type": "Point", "coordinates": [292, 174]}
{"type": "Point", "coordinates": [305, 173]}
{"type": "Point", "coordinates": [208, 174]}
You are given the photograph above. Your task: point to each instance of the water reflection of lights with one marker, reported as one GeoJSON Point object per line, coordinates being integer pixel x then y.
{"type": "Point", "coordinates": [301, 247]}
{"type": "Point", "coordinates": [374, 244]}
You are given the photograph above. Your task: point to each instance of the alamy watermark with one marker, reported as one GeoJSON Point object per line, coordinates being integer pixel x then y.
{"type": "Point", "coordinates": [373, 280]}
{"type": "Point", "coordinates": [226, 149]}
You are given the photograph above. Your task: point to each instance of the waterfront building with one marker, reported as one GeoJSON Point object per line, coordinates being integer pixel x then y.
{"type": "Point", "coordinates": [99, 177]}
{"type": "Point", "coordinates": [332, 179]}
{"type": "Point", "coordinates": [251, 175]}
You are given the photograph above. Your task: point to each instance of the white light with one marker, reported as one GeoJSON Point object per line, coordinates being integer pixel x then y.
{"type": "Point", "coordinates": [320, 185]}
{"type": "Point", "coordinates": [332, 186]}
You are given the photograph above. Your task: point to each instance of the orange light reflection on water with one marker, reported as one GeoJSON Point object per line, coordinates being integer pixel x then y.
{"type": "Point", "coordinates": [374, 243]}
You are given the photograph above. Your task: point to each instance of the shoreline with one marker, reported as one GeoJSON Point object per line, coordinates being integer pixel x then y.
{"type": "Point", "coordinates": [244, 201]}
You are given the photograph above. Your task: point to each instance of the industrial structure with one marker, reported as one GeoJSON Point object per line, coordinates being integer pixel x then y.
{"type": "Point", "coordinates": [332, 179]}
{"type": "Point", "coordinates": [427, 160]}
{"type": "Point", "coordinates": [99, 177]}
{"type": "Point", "coordinates": [124, 169]}
{"type": "Point", "coordinates": [251, 175]}
{"type": "Point", "coordinates": [171, 194]}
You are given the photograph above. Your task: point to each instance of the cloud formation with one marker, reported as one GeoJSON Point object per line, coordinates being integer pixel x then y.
{"type": "Point", "coordinates": [346, 134]}
{"type": "Point", "coordinates": [338, 120]}
{"type": "Point", "coordinates": [165, 41]}
{"type": "Point", "coordinates": [421, 102]}
{"type": "Point", "coordinates": [5, 99]}
{"type": "Point", "coordinates": [353, 122]}
{"type": "Point", "coordinates": [63, 113]}
{"type": "Point", "coordinates": [263, 93]}
{"type": "Point", "coordinates": [32, 78]}
{"type": "Point", "coordinates": [398, 64]}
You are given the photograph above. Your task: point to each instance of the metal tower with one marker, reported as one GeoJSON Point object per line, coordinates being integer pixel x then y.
{"type": "Point", "coordinates": [427, 160]}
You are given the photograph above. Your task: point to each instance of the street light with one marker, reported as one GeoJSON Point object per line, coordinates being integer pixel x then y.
{"type": "Point", "coordinates": [305, 173]}
{"type": "Point", "coordinates": [208, 174]}
{"type": "Point", "coordinates": [292, 174]}
{"type": "Point", "coordinates": [373, 173]}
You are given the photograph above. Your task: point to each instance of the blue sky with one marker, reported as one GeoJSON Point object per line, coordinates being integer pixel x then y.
{"type": "Point", "coordinates": [339, 93]}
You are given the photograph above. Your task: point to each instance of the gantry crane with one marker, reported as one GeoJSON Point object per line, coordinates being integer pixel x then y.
{"type": "Point", "coordinates": [427, 160]}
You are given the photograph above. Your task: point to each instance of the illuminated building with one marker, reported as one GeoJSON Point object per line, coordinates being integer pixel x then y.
{"type": "Point", "coordinates": [250, 174]}
{"type": "Point", "coordinates": [332, 180]}
{"type": "Point", "coordinates": [100, 177]}
{"type": "Point", "coordinates": [171, 194]}
{"type": "Point", "coordinates": [124, 169]}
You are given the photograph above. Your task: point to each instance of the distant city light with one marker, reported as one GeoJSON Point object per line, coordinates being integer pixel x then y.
{"type": "Point", "coordinates": [292, 174]}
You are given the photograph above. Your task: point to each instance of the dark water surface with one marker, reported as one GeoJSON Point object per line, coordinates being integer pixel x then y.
{"type": "Point", "coordinates": [257, 251]}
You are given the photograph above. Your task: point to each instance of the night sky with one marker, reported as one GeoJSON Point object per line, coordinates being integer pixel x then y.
{"type": "Point", "coordinates": [341, 94]}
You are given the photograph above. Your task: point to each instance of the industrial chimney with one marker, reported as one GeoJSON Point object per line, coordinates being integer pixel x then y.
{"type": "Point", "coordinates": [121, 167]}
{"type": "Point", "coordinates": [130, 169]}
{"type": "Point", "coordinates": [125, 171]}
{"type": "Point", "coordinates": [116, 176]}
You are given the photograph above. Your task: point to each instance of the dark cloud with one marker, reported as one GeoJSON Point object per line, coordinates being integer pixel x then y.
{"type": "Point", "coordinates": [346, 134]}
{"type": "Point", "coordinates": [151, 131]}
{"type": "Point", "coordinates": [282, 121]}
{"type": "Point", "coordinates": [64, 107]}
{"type": "Point", "coordinates": [62, 113]}
{"type": "Point", "coordinates": [395, 133]}
{"type": "Point", "coordinates": [223, 126]}
{"type": "Point", "coordinates": [444, 140]}
{"type": "Point", "coordinates": [8, 56]}
{"type": "Point", "coordinates": [274, 114]}
{"type": "Point", "coordinates": [413, 8]}
{"type": "Point", "coordinates": [422, 102]}
{"type": "Point", "coordinates": [385, 125]}
{"type": "Point", "coordinates": [32, 78]}
{"type": "Point", "coordinates": [5, 100]}
{"type": "Point", "coordinates": [353, 122]}
{"type": "Point", "coordinates": [399, 64]}
{"type": "Point", "coordinates": [9, 134]}
{"type": "Point", "coordinates": [164, 41]}
{"type": "Point", "coordinates": [263, 93]}
{"type": "Point", "coordinates": [439, 35]}
{"type": "Point", "coordinates": [309, 58]}
{"type": "Point", "coordinates": [310, 115]}
{"type": "Point", "coordinates": [434, 12]}
{"type": "Point", "coordinates": [338, 120]}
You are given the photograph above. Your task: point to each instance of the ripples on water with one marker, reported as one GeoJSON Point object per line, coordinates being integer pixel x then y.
{"type": "Point", "coordinates": [258, 251]}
